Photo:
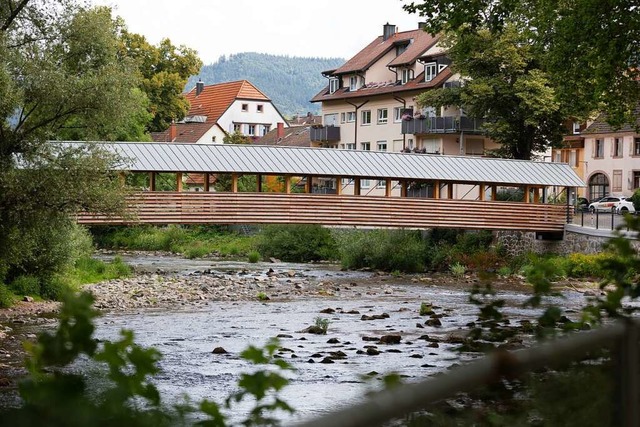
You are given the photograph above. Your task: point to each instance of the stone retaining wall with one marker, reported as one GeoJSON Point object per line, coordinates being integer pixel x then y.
{"type": "Point", "coordinates": [576, 240]}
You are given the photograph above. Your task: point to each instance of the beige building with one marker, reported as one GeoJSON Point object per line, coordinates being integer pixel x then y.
{"type": "Point", "coordinates": [369, 102]}
{"type": "Point", "coordinates": [611, 158]}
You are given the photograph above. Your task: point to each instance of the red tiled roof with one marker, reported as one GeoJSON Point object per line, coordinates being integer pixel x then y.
{"type": "Point", "coordinates": [377, 48]}
{"type": "Point", "coordinates": [600, 125]}
{"type": "Point", "coordinates": [214, 100]}
{"type": "Point", "coordinates": [186, 132]}
{"type": "Point", "coordinates": [373, 89]}
{"type": "Point", "coordinates": [297, 136]}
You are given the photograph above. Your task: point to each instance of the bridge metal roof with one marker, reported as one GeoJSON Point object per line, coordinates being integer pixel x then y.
{"type": "Point", "coordinates": [296, 161]}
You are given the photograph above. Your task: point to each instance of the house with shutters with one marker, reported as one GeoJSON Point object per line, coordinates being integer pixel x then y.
{"type": "Point", "coordinates": [611, 158]}
{"type": "Point", "coordinates": [369, 102]}
{"type": "Point", "coordinates": [220, 109]}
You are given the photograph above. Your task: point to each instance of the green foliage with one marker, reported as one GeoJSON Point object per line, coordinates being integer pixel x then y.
{"type": "Point", "coordinates": [289, 81]}
{"type": "Point", "coordinates": [587, 49]}
{"type": "Point", "coordinates": [426, 309]}
{"type": "Point", "coordinates": [6, 297]}
{"type": "Point", "coordinates": [193, 242]}
{"type": "Point", "coordinates": [386, 250]}
{"type": "Point", "coordinates": [25, 285]}
{"type": "Point", "coordinates": [262, 296]}
{"type": "Point", "coordinates": [91, 270]}
{"type": "Point", "coordinates": [254, 256]}
{"type": "Point", "coordinates": [635, 198]}
{"type": "Point", "coordinates": [322, 324]}
{"type": "Point", "coordinates": [457, 269]}
{"type": "Point", "coordinates": [297, 243]}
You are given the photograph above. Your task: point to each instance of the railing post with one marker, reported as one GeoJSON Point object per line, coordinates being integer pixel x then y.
{"type": "Point", "coordinates": [597, 219]}
{"type": "Point", "coordinates": [627, 371]}
{"type": "Point", "coordinates": [612, 218]}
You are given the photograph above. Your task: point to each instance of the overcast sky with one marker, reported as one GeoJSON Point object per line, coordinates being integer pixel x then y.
{"type": "Point", "coordinates": [322, 28]}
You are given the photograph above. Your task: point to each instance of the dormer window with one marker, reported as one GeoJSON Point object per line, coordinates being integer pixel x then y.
{"type": "Point", "coordinates": [407, 75]}
{"type": "Point", "coordinates": [401, 48]}
{"type": "Point", "coordinates": [334, 84]}
{"type": "Point", "coordinates": [355, 82]}
{"type": "Point", "coordinates": [576, 128]}
{"type": "Point", "coordinates": [430, 71]}
{"type": "Point", "coordinates": [441, 67]}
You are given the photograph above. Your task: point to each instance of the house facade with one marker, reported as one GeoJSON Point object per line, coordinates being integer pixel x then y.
{"type": "Point", "coordinates": [611, 164]}
{"type": "Point", "coordinates": [220, 109]}
{"type": "Point", "coordinates": [369, 102]}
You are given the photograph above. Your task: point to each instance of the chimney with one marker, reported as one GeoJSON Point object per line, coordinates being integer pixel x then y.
{"type": "Point", "coordinates": [388, 30]}
{"type": "Point", "coordinates": [173, 131]}
{"type": "Point", "coordinates": [421, 25]}
{"type": "Point", "coordinates": [199, 87]}
{"type": "Point", "coordinates": [280, 130]}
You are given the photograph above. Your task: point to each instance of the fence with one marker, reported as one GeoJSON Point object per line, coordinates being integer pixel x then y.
{"type": "Point", "coordinates": [393, 404]}
{"type": "Point", "coordinates": [599, 220]}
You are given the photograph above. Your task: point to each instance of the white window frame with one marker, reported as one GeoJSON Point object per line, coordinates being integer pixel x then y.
{"type": "Point", "coordinates": [430, 71]}
{"type": "Point", "coordinates": [365, 183]}
{"type": "Point", "coordinates": [618, 147]}
{"type": "Point", "coordinates": [244, 108]}
{"type": "Point", "coordinates": [636, 146]}
{"type": "Point", "coordinates": [381, 183]}
{"type": "Point", "coordinates": [365, 118]}
{"type": "Point", "coordinates": [343, 117]}
{"type": "Point", "coordinates": [383, 116]}
{"type": "Point", "coordinates": [576, 128]}
{"type": "Point", "coordinates": [351, 116]}
{"type": "Point", "coordinates": [441, 67]}
{"type": "Point", "coordinates": [407, 75]}
{"type": "Point", "coordinates": [598, 149]}
{"type": "Point", "coordinates": [397, 114]}
{"type": "Point", "coordinates": [251, 130]}
{"type": "Point", "coordinates": [259, 108]}
{"type": "Point", "coordinates": [354, 83]}
{"type": "Point", "coordinates": [237, 127]}
{"type": "Point", "coordinates": [334, 84]}
{"type": "Point", "coordinates": [381, 146]}
{"type": "Point", "coordinates": [350, 146]}
{"type": "Point", "coordinates": [365, 146]}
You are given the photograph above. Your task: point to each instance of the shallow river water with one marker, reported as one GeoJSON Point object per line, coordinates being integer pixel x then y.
{"type": "Point", "coordinates": [186, 338]}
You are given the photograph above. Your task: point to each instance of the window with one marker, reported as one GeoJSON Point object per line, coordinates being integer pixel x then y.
{"type": "Point", "coordinates": [617, 180]}
{"type": "Point", "coordinates": [331, 119]}
{"type": "Point", "coordinates": [350, 146]}
{"type": "Point", "coordinates": [259, 108]}
{"type": "Point", "coordinates": [430, 71]}
{"type": "Point", "coordinates": [407, 75]}
{"type": "Point", "coordinates": [557, 157]}
{"type": "Point", "coordinates": [573, 158]}
{"type": "Point", "coordinates": [334, 84]}
{"type": "Point", "coordinates": [245, 107]}
{"type": "Point", "coordinates": [599, 149]}
{"type": "Point", "coordinates": [343, 117]}
{"type": "Point", "coordinates": [237, 127]}
{"type": "Point", "coordinates": [381, 183]}
{"type": "Point", "coordinates": [354, 83]}
{"type": "Point", "coordinates": [401, 48]}
{"type": "Point", "coordinates": [366, 117]}
{"type": "Point", "coordinates": [474, 147]}
{"type": "Point", "coordinates": [576, 128]}
{"type": "Point", "coordinates": [441, 67]}
{"type": "Point", "coordinates": [252, 130]}
{"type": "Point", "coordinates": [636, 147]}
{"type": "Point", "coordinates": [365, 146]}
{"type": "Point", "coordinates": [617, 147]}
{"type": "Point", "coordinates": [213, 138]}
{"type": "Point", "coordinates": [431, 146]}
{"type": "Point", "coordinates": [365, 183]}
{"type": "Point", "coordinates": [397, 114]}
{"type": "Point", "coordinates": [382, 145]}
{"type": "Point", "coordinates": [265, 130]}
{"type": "Point", "coordinates": [636, 179]}
{"type": "Point", "coordinates": [382, 116]}
{"type": "Point", "coordinates": [351, 116]}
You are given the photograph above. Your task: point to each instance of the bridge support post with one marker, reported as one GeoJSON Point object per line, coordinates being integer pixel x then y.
{"type": "Point", "coordinates": [152, 181]}
{"type": "Point", "coordinates": [527, 196]}
{"type": "Point", "coordinates": [436, 189]}
{"type": "Point", "coordinates": [234, 182]}
{"type": "Point", "coordinates": [309, 184]}
{"type": "Point", "coordinates": [481, 192]}
{"type": "Point", "coordinates": [494, 192]}
{"type": "Point", "coordinates": [259, 183]}
{"type": "Point", "coordinates": [206, 182]}
{"type": "Point", "coordinates": [339, 185]}
{"type": "Point", "coordinates": [450, 191]}
{"type": "Point", "coordinates": [179, 182]}
{"type": "Point", "coordinates": [536, 195]}
{"type": "Point", "coordinates": [403, 188]}
{"type": "Point", "coordinates": [287, 184]}
{"type": "Point", "coordinates": [387, 188]}
{"type": "Point", "coordinates": [356, 186]}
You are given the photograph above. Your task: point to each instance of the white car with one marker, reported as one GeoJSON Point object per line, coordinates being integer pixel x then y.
{"type": "Point", "coordinates": [606, 204]}
{"type": "Point", "coordinates": [626, 206]}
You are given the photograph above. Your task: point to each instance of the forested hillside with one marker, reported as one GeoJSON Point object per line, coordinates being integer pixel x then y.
{"type": "Point", "coordinates": [290, 82]}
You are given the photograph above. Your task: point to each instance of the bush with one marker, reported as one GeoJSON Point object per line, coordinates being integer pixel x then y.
{"type": "Point", "coordinates": [54, 288]}
{"type": "Point", "coordinates": [297, 243]}
{"type": "Point", "coordinates": [386, 250]}
{"type": "Point", "coordinates": [6, 297]}
{"type": "Point", "coordinates": [26, 285]}
{"type": "Point", "coordinates": [636, 200]}
{"type": "Point", "coordinates": [254, 256]}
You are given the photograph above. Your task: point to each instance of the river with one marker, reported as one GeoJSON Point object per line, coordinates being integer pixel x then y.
{"type": "Point", "coordinates": [186, 337]}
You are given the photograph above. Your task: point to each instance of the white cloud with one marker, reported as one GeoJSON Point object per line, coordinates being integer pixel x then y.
{"type": "Point", "coordinates": [285, 27]}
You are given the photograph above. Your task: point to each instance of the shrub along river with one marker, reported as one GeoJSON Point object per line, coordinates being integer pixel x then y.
{"type": "Point", "coordinates": [186, 308]}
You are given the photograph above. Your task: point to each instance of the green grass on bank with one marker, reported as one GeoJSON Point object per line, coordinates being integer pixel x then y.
{"type": "Point", "coordinates": [84, 271]}
{"type": "Point", "coordinates": [191, 242]}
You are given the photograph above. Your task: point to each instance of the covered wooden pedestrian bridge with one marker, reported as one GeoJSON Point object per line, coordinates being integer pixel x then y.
{"type": "Point", "coordinates": [338, 188]}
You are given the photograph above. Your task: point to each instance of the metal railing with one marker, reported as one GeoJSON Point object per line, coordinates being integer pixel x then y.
{"type": "Point", "coordinates": [325, 133]}
{"type": "Point", "coordinates": [451, 124]}
{"type": "Point", "coordinates": [599, 220]}
{"type": "Point", "coordinates": [392, 404]}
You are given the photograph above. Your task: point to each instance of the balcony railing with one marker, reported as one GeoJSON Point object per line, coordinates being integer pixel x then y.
{"type": "Point", "coordinates": [452, 124]}
{"type": "Point", "coordinates": [325, 133]}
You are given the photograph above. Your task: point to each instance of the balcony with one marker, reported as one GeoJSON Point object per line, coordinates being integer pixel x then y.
{"type": "Point", "coordinates": [325, 134]}
{"type": "Point", "coordinates": [454, 124]}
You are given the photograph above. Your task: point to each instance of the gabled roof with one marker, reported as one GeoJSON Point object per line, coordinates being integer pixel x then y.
{"type": "Point", "coordinates": [600, 125]}
{"type": "Point", "coordinates": [294, 136]}
{"type": "Point", "coordinates": [419, 42]}
{"type": "Point", "coordinates": [255, 159]}
{"type": "Point", "coordinates": [372, 89]}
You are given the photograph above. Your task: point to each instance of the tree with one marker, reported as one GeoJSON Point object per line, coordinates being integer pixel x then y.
{"type": "Point", "coordinates": [164, 71]}
{"type": "Point", "coordinates": [245, 182]}
{"type": "Point", "coordinates": [60, 72]}
{"type": "Point", "coordinates": [507, 87]}
{"type": "Point", "coordinates": [589, 49]}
